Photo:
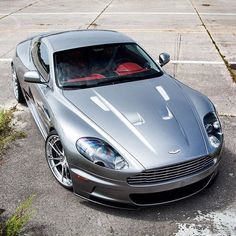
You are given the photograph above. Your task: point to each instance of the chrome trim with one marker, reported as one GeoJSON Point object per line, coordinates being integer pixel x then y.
{"type": "Point", "coordinates": [167, 173]}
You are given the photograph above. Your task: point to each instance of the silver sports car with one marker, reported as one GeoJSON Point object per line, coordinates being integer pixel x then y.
{"type": "Point", "coordinates": [118, 130]}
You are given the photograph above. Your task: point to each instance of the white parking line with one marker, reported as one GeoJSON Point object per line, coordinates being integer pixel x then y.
{"type": "Point", "coordinates": [201, 62]}
{"type": "Point", "coordinates": [122, 13]}
{"type": "Point", "coordinates": [5, 59]}
{"type": "Point", "coordinates": [217, 14]}
{"type": "Point", "coordinates": [172, 61]}
{"type": "Point", "coordinates": [196, 62]}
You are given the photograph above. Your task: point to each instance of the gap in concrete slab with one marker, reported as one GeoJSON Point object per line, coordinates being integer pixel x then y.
{"type": "Point", "coordinates": [18, 10]}
{"type": "Point", "coordinates": [93, 22]}
{"type": "Point", "coordinates": [227, 64]}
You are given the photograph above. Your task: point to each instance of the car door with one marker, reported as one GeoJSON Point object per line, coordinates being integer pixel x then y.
{"type": "Point", "coordinates": [39, 92]}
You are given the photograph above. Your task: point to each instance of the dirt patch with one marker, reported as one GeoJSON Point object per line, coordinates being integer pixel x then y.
{"type": "Point", "coordinates": [8, 128]}
{"type": "Point", "coordinates": [206, 4]}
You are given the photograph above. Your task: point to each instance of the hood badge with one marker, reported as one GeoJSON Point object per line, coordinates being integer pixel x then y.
{"type": "Point", "coordinates": [174, 151]}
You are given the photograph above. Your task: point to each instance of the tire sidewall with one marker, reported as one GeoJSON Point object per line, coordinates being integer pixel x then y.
{"type": "Point", "coordinates": [54, 132]}
{"type": "Point", "coordinates": [19, 97]}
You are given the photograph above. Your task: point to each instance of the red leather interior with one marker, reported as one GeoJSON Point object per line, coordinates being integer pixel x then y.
{"type": "Point", "coordinates": [90, 77]}
{"type": "Point", "coordinates": [128, 68]}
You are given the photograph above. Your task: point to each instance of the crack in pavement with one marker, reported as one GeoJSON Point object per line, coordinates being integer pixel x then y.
{"type": "Point", "coordinates": [12, 13]}
{"type": "Point", "coordinates": [4, 54]}
{"type": "Point", "coordinates": [227, 115]}
{"type": "Point", "coordinates": [93, 22]}
{"type": "Point", "coordinates": [177, 53]}
{"type": "Point", "coordinates": [227, 64]}
{"type": "Point", "coordinates": [20, 9]}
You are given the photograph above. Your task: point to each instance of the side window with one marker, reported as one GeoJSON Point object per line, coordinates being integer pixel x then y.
{"type": "Point", "coordinates": [43, 57]}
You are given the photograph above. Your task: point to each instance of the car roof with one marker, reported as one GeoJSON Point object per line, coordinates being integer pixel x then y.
{"type": "Point", "coordinates": [61, 41]}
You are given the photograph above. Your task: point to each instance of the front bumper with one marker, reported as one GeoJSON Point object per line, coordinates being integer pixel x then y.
{"type": "Point", "coordinates": [120, 194]}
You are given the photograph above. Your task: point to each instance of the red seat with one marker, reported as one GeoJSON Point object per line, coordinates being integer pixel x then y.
{"type": "Point", "coordinates": [128, 68]}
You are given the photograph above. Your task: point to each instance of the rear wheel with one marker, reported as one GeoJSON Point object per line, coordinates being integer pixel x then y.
{"type": "Point", "coordinates": [57, 161]}
{"type": "Point", "coordinates": [16, 87]}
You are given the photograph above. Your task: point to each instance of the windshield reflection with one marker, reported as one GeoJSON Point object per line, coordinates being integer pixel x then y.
{"type": "Point", "coordinates": [100, 65]}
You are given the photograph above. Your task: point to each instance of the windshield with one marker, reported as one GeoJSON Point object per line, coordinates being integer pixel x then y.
{"type": "Point", "coordinates": [102, 65]}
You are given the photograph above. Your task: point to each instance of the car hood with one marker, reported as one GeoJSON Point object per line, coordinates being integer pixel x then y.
{"type": "Point", "coordinates": [152, 119]}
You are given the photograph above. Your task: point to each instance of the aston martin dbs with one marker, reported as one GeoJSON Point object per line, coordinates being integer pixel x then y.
{"type": "Point", "coordinates": [118, 129]}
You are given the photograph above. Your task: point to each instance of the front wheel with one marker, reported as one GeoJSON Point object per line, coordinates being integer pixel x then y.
{"type": "Point", "coordinates": [57, 161]}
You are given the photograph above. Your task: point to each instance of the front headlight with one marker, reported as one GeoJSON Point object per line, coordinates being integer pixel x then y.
{"type": "Point", "coordinates": [101, 153]}
{"type": "Point", "coordinates": [213, 129]}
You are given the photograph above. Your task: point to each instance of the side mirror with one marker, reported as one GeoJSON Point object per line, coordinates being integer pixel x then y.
{"type": "Point", "coordinates": [33, 77]}
{"type": "Point", "coordinates": [164, 58]}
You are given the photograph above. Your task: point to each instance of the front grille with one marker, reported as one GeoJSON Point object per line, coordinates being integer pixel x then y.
{"type": "Point", "coordinates": [171, 172]}
{"type": "Point", "coordinates": [171, 195]}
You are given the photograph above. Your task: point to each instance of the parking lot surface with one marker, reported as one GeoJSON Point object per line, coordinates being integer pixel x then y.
{"type": "Point", "coordinates": [201, 39]}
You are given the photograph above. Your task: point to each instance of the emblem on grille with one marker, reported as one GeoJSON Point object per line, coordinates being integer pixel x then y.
{"type": "Point", "coordinates": [174, 151]}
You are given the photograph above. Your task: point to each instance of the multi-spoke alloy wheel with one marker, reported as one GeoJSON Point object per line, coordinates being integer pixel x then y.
{"type": "Point", "coordinates": [56, 159]}
{"type": "Point", "coordinates": [16, 87]}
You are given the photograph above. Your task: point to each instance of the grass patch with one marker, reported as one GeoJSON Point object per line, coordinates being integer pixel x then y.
{"type": "Point", "coordinates": [15, 223]}
{"type": "Point", "coordinates": [7, 131]}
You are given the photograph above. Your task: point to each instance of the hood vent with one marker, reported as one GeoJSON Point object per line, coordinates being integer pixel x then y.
{"type": "Point", "coordinates": [135, 118]}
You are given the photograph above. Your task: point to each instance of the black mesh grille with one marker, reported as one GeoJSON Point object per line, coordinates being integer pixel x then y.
{"type": "Point", "coordinates": [171, 195]}
{"type": "Point", "coordinates": [171, 172]}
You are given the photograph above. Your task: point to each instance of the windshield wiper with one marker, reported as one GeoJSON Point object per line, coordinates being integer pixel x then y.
{"type": "Point", "coordinates": [105, 81]}
{"type": "Point", "coordinates": [112, 80]}
{"type": "Point", "coordinates": [137, 76]}
{"type": "Point", "coordinates": [73, 86]}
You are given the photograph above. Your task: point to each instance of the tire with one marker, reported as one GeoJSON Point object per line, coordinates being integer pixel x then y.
{"type": "Point", "coordinates": [57, 161]}
{"type": "Point", "coordinates": [16, 87]}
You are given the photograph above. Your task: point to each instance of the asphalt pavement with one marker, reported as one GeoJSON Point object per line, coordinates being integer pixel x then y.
{"type": "Point", "coordinates": [201, 39]}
